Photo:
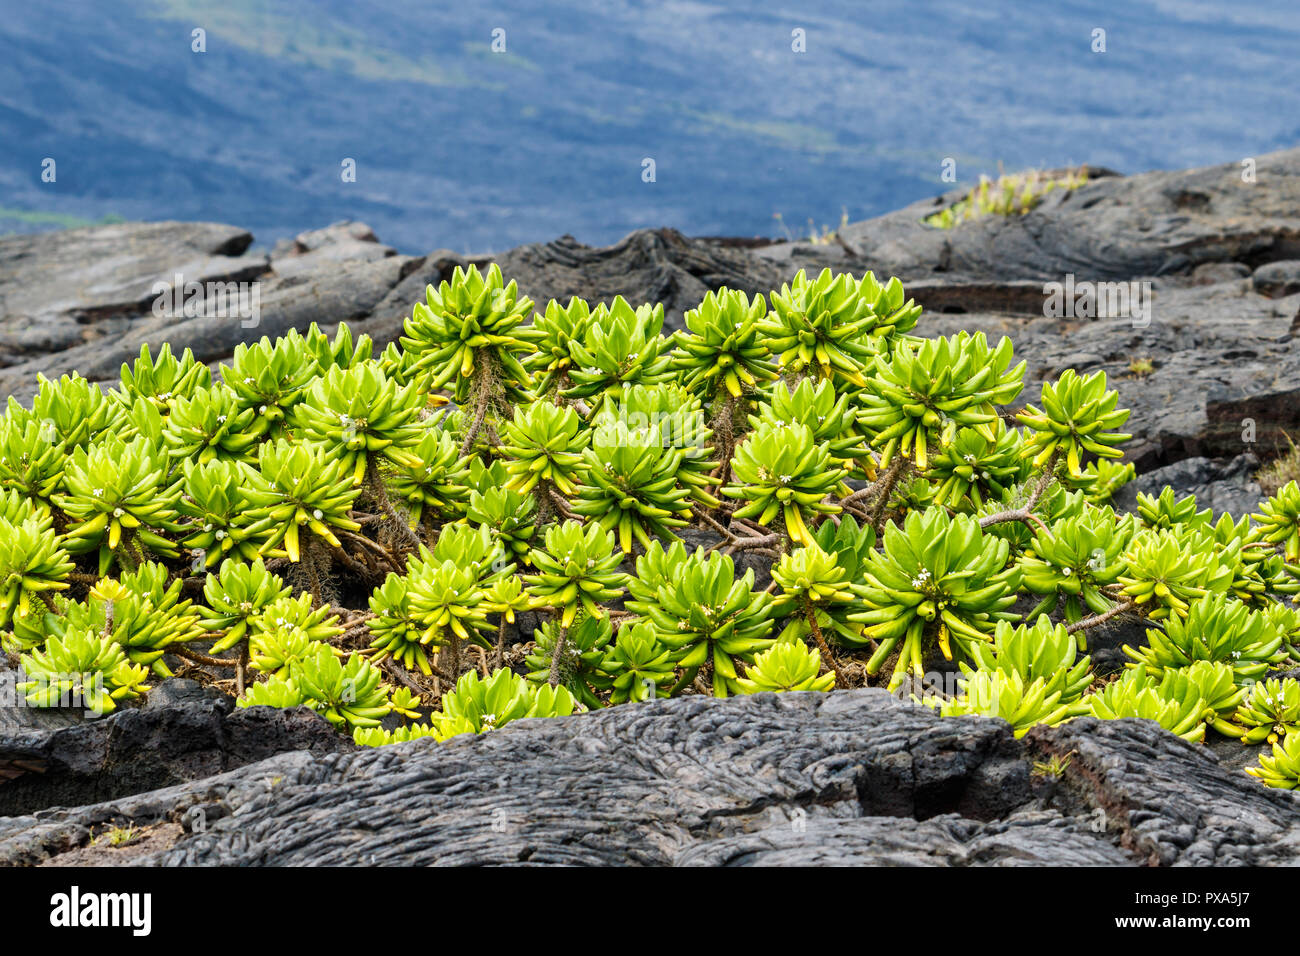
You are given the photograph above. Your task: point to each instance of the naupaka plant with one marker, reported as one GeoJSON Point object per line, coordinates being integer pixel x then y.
{"type": "Point", "coordinates": [630, 485]}
{"type": "Point", "coordinates": [299, 490]}
{"type": "Point", "coordinates": [918, 397]}
{"type": "Point", "coordinates": [467, 333]}
{"type": "Point", "coordinates": [120, 502]}
{"type": "Point", "coordinates": [1078, 416]}
{"type": "Point", "coordinates": [939, 582]}
{"type": "Point", "coordinates": [708, 617]}
{"type": "Point", "coordinates": [833, 325]}
{"type": "Point", "coordinates": [782, 474]}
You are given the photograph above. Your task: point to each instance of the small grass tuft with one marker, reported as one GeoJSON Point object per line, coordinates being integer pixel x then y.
{"type": "Point", "coordinates": [1281, 470]}
{"type": "Point", "coordinates": [1012, 195]}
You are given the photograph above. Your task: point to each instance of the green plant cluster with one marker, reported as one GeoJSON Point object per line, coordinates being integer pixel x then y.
{"type": "Point", "coordinates": [1008, 195]}
{"type": "Point", "coordinates": [515, 513]}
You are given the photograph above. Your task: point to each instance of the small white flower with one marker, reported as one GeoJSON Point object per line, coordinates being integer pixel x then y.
{"type": "Point", "coordinates": [99, 492]}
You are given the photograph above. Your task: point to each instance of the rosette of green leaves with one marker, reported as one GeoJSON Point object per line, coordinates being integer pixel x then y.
{"type": "Point", "coordinates": [31, 459]}
{"type": "Point", "coordinates": [1279, 520]}
{"type": "Point", "coordinates": [16, 508]}
{"type": "Point", "coordinates": [270, 378]}
{"type": "Point", "coordinates": [781, 472]}
{"type": "Point", "coordinates": [432, 483]}
{"type": "Point", "coordinates": [80, 669]}
{"type": "Point", "coordinates": [638, 664]}
{"type": "Point", "coordinates": [348, 695]}
{"type": "Point", "coordinates": [467, 330]}
{"type": "Point", "coordinates": [143, 420]}
{"type": "Point", "coordinates": [319, 624]}
{"type": "Point", "coordinates": [577, 568]}
{"type": "Point", "coordinates": [343, 351]}
{"type": "Point", "coordinates": [1213, 683]}
{"type": "Point", "coordinates": [211, 424]}
{"type": "Point", "coordinates": [32, 567]}
{"type": "Point", "coordinates": [680, 418]}
{"type": "Point", "coordinates": [1101, 478]}
{"type": "Point", "coordinates": [358, 414]}
{"type": "Point", "coordinates": [235, 595]}
{"type": "Point", "coordinates": [919, 397]}
{"type": "Point", "coordinates": [830, 418]}
{"type": "Point", "coordinates": [1006, 694]}
{"type": "Point", "coordinates": [1136, 695]}
{"type": "Point", "coordinates": [212, 498]}
{"type": "Point", "coordinates": [446, 601]}
{"type": "Point", "coordinates": [510, 513]}
{"type": "Point", "coordinates": [623, 347]}
{"type": "Point", "coordinates": [298, 487]}
{"type": "Point", "coordinates": [785, 666]}
{"type": "Point", "coordinates": [116, 491]}
{"type": "Point", "coordinates": [164, 380]}
{"type": "Point", "coordinates": [973, 468]}
{"type": "Point", "coordinates": [380, 737]}
{"type": "Point", "coordinates": [1076, 560]}
{"type": "Point", "coordinates": [1240, 548]}
{"type": "Point", "coordinates": [553, 335]}
{"type": "Point", "coordinates": [1285, 619]}
{"type": "Point", "coordinates": [506, 597]}
{"type": "Point", "coordinates": [544, 443]}
{"type": "Point", "coordinates": [581, 661]}
{"type": "Point", "coordinates": [71, 412]}
{"type": "Point", "coordinates": [832, 326]}
{"type": "Point", "coordinates": [278, 692]}
{"type": "Point", "coordinates": [1281, 769]}
{"type": "Point", "coordinates": [277, 649]}
{"type": "Point", "coordinates": [630, 484]}
{"type": "Point", "coordinates": [477, 705]}
{"type": "Point", "coordinates": [721, 349]}
{"type": "Point", "coordinates": [704, 614]}
{"type": "Point", "coordinates": [396, 629]}
{"type": "Point", "coordinates": [476, 548]}
{"type": "Point", "coordinates": [657, 567]}
{"type": "Point", "coordinates": [1270, 710]}
{"type": "Point", "coordinates": [1163, 577]}
{"type": "Point", "coordinates": [1042, 651]}
{"type": "Point", "coordinates": [142, 611]}
{"type": "Point", "coordinates": [814, 588]}
{"type": "Point", "coordinates": [938, 580]}
{"type": "Point", "coordinates": [1169, 511]}
{"type": "Point", "coordinates": [1077, 416]}
{"type": "Point", "coordinates": [1217, 628]}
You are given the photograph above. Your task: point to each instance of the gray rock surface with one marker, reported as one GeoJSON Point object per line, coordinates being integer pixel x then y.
{"type": "Point", "coordinates": [184, 732]}
{"type": "Point", "coordinates": [846, 778]}
{"type": "Point", "coordinates": [1277, 279]}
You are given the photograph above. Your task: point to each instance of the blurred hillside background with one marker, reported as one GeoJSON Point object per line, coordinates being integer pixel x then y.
{"type": "Point", "coordinates": [457, 146]}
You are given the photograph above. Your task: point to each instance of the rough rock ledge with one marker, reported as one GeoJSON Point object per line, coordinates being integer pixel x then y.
{"type": "Point", "coordinates": [854, 777]}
